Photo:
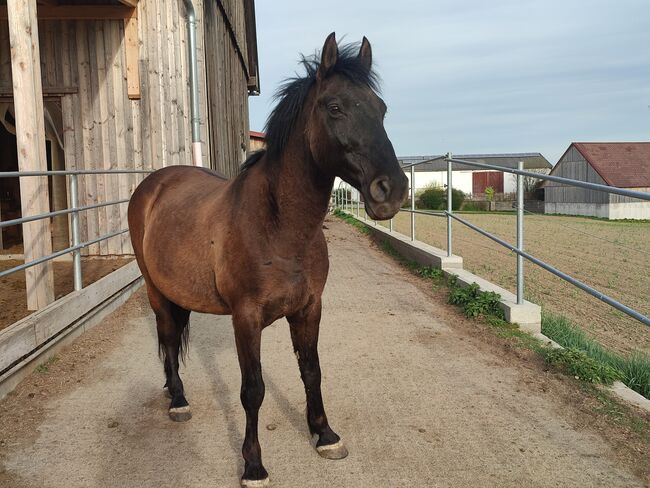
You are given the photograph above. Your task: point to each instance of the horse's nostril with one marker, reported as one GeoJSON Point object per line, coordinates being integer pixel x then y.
{"type": "Point", "coordinates": [380, 189]}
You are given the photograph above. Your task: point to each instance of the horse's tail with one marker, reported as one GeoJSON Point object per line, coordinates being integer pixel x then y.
{"type": "Point", "coordinates": [181, 319]}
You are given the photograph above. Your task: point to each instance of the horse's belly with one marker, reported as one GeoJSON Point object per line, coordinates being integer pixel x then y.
{"type": "Point", "coordinates": [184, 276]}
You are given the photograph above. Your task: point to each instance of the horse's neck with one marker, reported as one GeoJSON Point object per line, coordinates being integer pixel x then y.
{"type": "Point", "coordinates": [302, 193]}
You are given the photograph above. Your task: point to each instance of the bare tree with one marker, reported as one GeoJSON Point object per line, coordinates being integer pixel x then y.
{"type": "Point", "coordinates": [530, 182]}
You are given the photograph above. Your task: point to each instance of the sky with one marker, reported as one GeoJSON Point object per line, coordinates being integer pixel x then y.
{"type": "Point", "coordinates": [480, 76]}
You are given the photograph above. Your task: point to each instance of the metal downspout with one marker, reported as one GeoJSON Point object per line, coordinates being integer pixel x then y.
{"type": "Point", "coordinates": [197, 158]}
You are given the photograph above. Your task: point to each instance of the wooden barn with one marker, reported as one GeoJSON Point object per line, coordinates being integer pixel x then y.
{"type": "Point", "coordinates": [618, 164]}
{"type": "Point", "coordinates": [108, 84]}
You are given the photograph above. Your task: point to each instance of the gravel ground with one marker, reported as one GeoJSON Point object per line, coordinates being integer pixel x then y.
{"type": "Point", "coordinates": [421, 396]}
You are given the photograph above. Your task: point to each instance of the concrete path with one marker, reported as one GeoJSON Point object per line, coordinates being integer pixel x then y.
{"type": "Point", "coordinates": [418, 402]}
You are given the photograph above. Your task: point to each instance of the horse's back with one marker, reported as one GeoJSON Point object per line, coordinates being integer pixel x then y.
{"type": "Point", "coordinates": [167, 190]}
{"type": "Point", "coordinates": [173, 179]}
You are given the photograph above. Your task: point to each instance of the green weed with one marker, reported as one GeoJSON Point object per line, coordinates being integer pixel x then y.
{"type": "Point", "coordinates": [576, 363]}
{"type": "Point", "coordinates": [45, 367]}
{"type": "Point", "coordinates": [474, 302]}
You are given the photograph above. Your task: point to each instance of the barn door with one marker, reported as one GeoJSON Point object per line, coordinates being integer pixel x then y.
{"type": "Point", "coordinates": [482, 179]}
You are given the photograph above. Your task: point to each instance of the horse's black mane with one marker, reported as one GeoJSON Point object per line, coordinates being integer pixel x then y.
{"type": "Point", "coordinates": [293, 91]}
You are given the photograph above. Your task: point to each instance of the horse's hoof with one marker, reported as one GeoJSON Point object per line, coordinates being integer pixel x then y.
{"type": "Point", "coordinates": [180, 414]}
{"type": "Point", "coordinates": [255, 483]}
{"type": "Point", "coordinates": [333, 451]}
{"type": "Point", "coordinates": [166, 392]}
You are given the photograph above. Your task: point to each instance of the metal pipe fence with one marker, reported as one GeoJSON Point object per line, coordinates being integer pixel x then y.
{"type": "Point", "coordinates": [73, 211]}
{"type": "Point", "coordinates": [518, 248]}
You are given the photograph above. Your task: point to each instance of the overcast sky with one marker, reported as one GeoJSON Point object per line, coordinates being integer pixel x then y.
{"type": "Point", "coordinates": [480, 76]}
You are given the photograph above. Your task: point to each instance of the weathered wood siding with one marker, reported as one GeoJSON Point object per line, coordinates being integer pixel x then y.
{"type": "Point", "coordinates": [227, 76]}
{"type": "Point", "coordinates": [573, 165]}
{"type": "Point", "coordinates": [84, 64]}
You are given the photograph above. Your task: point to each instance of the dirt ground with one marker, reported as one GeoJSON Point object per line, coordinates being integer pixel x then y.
{"type": "Point", "coordinates": [421, 396]}
{"type": "Point", "coordinates": [13, 300]}
{"type": "Point", "coordinates": [610, 256]}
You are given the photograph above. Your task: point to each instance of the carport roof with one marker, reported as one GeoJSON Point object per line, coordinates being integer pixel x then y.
{"type": "Point", "coordinates": [509, 160]}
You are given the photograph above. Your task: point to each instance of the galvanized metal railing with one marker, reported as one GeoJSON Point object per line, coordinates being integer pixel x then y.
{"type": "Point", "coordinates": [74, 210]}
{"type": "Point", "coordinates": [518, 249]}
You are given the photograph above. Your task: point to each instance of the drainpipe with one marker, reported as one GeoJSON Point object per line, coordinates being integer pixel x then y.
{"type": "Point", "coordinates": [197, 158]}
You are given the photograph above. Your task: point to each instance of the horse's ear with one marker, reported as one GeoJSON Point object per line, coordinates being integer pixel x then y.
{"type": "Point", "coordinates": [329, 56]}
{"type": "Point", "coordinates": [365, 53]}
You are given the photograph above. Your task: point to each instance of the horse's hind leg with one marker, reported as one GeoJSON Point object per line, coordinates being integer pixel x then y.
{"type": "Point", "coordinates": [172, 324]}
{"type": "Point", "coordinates": [304, 335]}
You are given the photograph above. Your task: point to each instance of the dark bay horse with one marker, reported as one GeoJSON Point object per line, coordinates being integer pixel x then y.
{"type": "Point", "coordinates": [253, 246]}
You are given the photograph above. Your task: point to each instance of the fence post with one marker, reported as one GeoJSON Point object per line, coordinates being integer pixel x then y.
{"type": "Point", "coordinates": [358, 203]}
{"type": "Point", "coordinates": [390, 226]}
{"type": "Point", "coordinates": [412, 203]}
{"type": "Point", "coordinates": [520, 234]}
{"type": "Point", "coordinates": [74, 220]}
{"type": "Point", "coordinates": [449, 202]}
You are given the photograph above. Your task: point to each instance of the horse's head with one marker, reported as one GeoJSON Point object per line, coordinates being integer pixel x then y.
{"type": "Point", "coordinates": [345, 130]}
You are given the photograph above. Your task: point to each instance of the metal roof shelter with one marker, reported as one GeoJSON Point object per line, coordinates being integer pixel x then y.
{"type": "Point", "coordinates": [532, 160]}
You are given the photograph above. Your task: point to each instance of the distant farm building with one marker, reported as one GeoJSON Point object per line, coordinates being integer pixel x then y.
{"type": "Point", "coordinates": [257, 141]}
{"type": "Point", "coordinates": [618, 164]}
{"type": "Point", "coordinates": [471, 180]}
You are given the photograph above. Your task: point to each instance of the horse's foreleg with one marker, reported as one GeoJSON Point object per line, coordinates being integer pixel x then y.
{"type": "Point", "coordinates": [304, 334]}
{"type": "Point", "coordinates": [248, 334]}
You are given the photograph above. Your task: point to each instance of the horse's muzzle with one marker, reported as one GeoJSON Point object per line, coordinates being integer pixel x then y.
{"type": "Point", "coordinates": [385, 196]}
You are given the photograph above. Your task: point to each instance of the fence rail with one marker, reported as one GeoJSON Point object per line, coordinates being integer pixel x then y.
{"type": "Point", "coordinates": [343, 201]}
{"type": "Point", "coordinates": [74, 210]}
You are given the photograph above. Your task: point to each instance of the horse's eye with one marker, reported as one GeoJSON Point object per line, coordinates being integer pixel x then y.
{"type": "Point", "coordinates": [334, 109]}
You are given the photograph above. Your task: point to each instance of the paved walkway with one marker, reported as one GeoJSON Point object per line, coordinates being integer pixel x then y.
{"type": "Point", "coordinates": [418, 402]}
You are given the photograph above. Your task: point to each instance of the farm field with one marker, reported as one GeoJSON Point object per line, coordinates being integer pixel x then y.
{"type": "Point", "coordinates": [613, 257]}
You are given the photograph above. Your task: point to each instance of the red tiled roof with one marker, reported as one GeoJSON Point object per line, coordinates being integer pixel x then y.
{"type": "Point", "coordinates": [259, 135]}
{"type": "Point", "coordinates": [621, 164]}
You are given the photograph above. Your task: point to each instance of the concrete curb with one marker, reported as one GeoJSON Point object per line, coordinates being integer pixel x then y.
{"type": "Point", "coordinates": [527, 316]}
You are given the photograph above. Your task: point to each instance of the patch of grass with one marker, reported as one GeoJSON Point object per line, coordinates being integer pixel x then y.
{"type": "Point", "coordinates": [351, 220]}
{"type": "Point", "coordinates": [45, 367]}
{"type": "Point", "coordinates": [576, 363]}
{"type": "Point", "coordinates": [430, 272]}
{"type": "Point", "coordinates": [634, 369]}
{"type": "Point", "coordinates": [474, 302]}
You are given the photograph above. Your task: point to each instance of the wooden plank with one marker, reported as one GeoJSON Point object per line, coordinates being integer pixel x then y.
{"type": "Point", "coordinates": [30, 137]}
{"type": "Point", "coordinates": [172, 93]}
{"type": "Point", "coordinates": [177, 53]}
{"type": "Point", "coordinates": [132, 47]}
{"type": "Point", "coordinates": [142, 117]}
{"type": "Point", "coordinates": [129, 3]}
{"type": "Point", "coordinates": [106, 53]}
{"type": "Point", "coordinates": [99, 116]}
{"type": "Point", "coordinates": [123, 131]}
{"type": "Point", "coordinates": [183, 82]}
{"type": "Point", "coordinates": [78, 12]}
{"type": "Point", "coordinates": [50, 91]}
{"type": "Point", "coordinates": [163, 64]}
{"type": "Point", "coordinates": [87, 186]}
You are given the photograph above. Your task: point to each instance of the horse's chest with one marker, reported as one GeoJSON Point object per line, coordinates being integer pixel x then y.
{"type": "Point", "coordinates": [286, 287]}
